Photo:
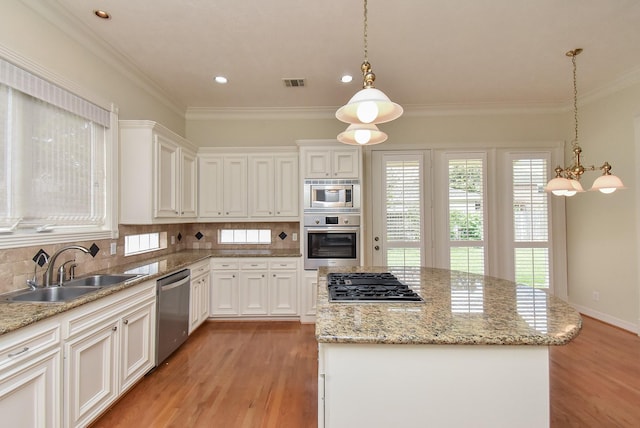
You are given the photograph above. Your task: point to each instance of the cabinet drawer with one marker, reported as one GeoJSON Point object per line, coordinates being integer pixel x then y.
{"type": "Point", "coordinates": [27, 342]}
{"type": "Point", "coordinates": [283, 264]}
{"type": "Point", "coordinates": [225, 265]}
{"type": "Point", "coordinates": [200, 268]}
{"type": "Point", "coordinates": [253, 265]}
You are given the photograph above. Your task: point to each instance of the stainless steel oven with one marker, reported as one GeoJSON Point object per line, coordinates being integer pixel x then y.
{"type": "Point", "coordinates": [332, 196]}
{"type": "Point", "coordinates": [331, 240]}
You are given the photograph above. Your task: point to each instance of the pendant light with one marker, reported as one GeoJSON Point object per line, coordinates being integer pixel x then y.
{"type": "Point", "coordinates": [368, 106]}
{"type": "Point", "coordinates": [567, 180]}
{"type": "Point", "coordinates": [362, 134]}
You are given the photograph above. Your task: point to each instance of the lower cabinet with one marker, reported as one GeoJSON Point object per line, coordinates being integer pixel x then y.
{"type": "Point", "coordinates": [254, 287]}
{"type": "Point", "coordinates": [199, 296]}
{"type": "Point", "coordinates": [109, 345]}
{"type": "Point", "coordinates": [30, 376]}
{"type": "Point", "coordinates": [309, 293]}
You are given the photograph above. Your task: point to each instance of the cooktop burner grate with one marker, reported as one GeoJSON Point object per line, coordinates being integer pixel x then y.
{"type": "Point", "coordinates": [369, 287]}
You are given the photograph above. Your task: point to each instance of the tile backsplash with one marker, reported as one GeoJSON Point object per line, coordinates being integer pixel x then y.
{"type": "Point", "coordinates": [17, 265]}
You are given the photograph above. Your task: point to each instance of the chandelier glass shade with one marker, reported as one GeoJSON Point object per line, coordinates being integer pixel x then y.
{"type": "Point", "coordinates": [567, 180]}
{"type": "Point", "coordinates": [365, 134]}
{"type": "Point", "coordinates": [369, 106]}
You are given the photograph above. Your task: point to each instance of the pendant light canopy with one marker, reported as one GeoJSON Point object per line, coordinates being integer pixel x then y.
{"type": "Point", "coordinates": [368, 106]}
{"type": "Point", "coordinates": [566, 181]}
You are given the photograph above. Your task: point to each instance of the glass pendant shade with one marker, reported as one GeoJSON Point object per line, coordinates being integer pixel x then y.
{"type": "Point", "coordinates": [362, 134]}
{"type": "Point", "coordinates": [560, 186]}
{"type": "Point", "coordinates": [369, 105]}
{"type": "Point", "coordinates": [607, 183]}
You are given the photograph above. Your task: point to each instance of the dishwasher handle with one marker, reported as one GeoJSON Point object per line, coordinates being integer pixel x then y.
{"type": "Point", "coordinates": [173, 285]}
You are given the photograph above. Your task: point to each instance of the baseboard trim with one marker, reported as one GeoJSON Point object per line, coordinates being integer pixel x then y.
{"type": "Point", "coordinates": [625, 325]}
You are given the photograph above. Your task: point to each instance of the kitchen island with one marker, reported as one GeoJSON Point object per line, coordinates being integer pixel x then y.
{"type": "Point", "coordinates": [473, 354]}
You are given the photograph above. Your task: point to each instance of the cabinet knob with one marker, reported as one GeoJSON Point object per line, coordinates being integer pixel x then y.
{"type": "Point", "coordinates": [219, 213]}
{"type": "Point", "coordinates": [376, 239]}
{"type": "Point", "coordinates": [126, 322]}
{"type": "Point", "coordinates": [115, 327]}
{"type": "Point", "coordinates": [274, 275]}
{"type": "Point", "coordinates": [227, 212]}
{"type": "Point", "coordinates": [377, 248]}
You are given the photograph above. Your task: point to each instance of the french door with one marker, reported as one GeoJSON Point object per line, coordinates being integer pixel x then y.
{"type": "Point", "coordinates": [400, 237]}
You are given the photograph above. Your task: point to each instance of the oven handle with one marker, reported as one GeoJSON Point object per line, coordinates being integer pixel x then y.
{"type": "Point", "coordinates": [331, 229]}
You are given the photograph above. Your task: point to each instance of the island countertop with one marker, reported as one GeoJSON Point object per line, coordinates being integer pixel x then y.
{"type": "Point", "coordinates": [458, 309]}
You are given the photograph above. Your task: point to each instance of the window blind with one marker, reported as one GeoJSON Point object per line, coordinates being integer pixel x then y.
{"type": "Point", "coordinates": [403, 212]}
{"type": "Point", "coordinates": [30, 84]}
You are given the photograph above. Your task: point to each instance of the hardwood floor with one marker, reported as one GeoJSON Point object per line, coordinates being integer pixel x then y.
{"type": "Point", "coordinates": [263, 374]}
{"type": "Point", "coordinates": [595, 379]}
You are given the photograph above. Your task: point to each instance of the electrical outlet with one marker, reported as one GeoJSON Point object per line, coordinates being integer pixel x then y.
{"type": "Point", "coordinates": [114, 248]}
{"type": "Point", "coordinates": [596, 296]}
{"type": "Point", "coordinates": [294, 236]}
{"type": "Point", "coordinates": [173, 240]}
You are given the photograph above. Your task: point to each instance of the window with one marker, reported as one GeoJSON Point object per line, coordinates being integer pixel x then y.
{"type": "Point", "coordinates": [466, 213]}
{"type": "Point", "coordinates": [144, 243]}
{"type": "Point", "coordinates": [54, 149]}
{"type": "Point", "coordinates": [244, 236]}
{"type": "Point", "coordinates": [530, 219]}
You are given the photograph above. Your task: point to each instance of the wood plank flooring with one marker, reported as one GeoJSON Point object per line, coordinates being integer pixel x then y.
{"type": "Point", "coordinates": [263, 374]}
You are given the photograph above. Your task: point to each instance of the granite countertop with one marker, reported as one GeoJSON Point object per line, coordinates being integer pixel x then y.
{"type": "Point", "coordinates": [14, 315]}
{"type": "Point", "coordinates": [459, 308]}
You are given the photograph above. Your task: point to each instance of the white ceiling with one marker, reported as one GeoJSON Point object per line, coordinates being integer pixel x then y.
{"type": "Point", "coordinates": [425, 53]}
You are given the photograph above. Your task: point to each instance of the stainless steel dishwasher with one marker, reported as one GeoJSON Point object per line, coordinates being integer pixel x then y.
{"type": "Point", "coordinates": [172, 325]}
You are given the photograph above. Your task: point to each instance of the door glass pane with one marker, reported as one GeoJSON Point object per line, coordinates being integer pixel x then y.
{"type": "Point", "coordinates": [403, 212]}
{"type": "Point", "coordinates": [466, 214]}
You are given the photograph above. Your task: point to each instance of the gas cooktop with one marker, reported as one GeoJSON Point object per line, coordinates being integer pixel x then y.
{"type": "Point", "coordinates": [369, 287]}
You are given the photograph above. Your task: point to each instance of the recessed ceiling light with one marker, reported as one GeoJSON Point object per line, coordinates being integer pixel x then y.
{"type": "Point", "coordinates": [221, 79]}
{"type": "Point", "coordinates": [346, 78]}
{"type": "Point", "coordinates": [103, 14]}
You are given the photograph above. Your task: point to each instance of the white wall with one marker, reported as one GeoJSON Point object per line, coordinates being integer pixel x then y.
{"type": "Point", "coordinates": [25, 32]}
{"type": "Point", "coordinates": [602, 239]}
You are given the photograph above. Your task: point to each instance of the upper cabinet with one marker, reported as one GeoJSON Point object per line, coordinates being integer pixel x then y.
{"type": "Point", "coordinates": [241, 185]}
{"type": "Point", "coordinates": [332, 162]}
{"type": "Point", "coordinates": [158, 175]}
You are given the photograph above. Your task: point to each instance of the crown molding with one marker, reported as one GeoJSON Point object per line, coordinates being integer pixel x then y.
{"type": "Point", "coordinates": [62, 19]}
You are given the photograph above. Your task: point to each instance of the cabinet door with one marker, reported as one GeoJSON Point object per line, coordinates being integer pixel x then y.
{"type": "Point", "coordinates": [286, 186]}
{"type": "Point", "coordinates": [235, 186]}
{"type": "Point", "coordinates": [166, 178]}
{"type": "Point", "coordinates": [345, 163]}
{"type": "Point", "coordinates": [261, 186]}
{"type": "Point", "coordinates": [254, 293]}
{"type": "Point", "coordinates": [283, 296]}
{"type": "Point", "coordinates": [224, 293]}
{"type": "Point", "coordinates": [30, 392]}
{"type": "Point", "coordinates": [211, 186]}
{"type": "Point", "coordinates": [317, 164]}
{"type": "Point", "coordinates": [138, 344]}
{"type": "Point", "coordinates": [91, 380]}
{"type": "Point", "coordinates": [189, 184]}
{"type": "Point", "coordinates": [203, 307]}
{"type": "Point", "coordinates": [309, 296]}
{"type": "Point", "coordinates": [194, 304]}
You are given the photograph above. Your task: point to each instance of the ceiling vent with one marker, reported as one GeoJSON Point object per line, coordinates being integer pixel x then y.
{"type": "Point", "coordinates": [294, 83]}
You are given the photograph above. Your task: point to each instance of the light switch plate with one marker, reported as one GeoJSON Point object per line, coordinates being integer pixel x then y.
{"type": "Point", "coordinates": [114, 248]}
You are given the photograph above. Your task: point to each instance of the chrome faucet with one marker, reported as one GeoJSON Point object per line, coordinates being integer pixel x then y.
{"type": "Point", "coordinates": [33, 282]}
{"type": "Point", "coordinates": [52, 261]}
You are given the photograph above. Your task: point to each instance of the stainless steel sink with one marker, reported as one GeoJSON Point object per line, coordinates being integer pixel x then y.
{"type": "Point", "coordinates": [51, 294]}
{"type": "Point", "coordinates": [98, 280]}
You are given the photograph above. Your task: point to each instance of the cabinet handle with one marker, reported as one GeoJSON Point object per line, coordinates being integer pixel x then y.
{"type": "Point", "coordinates": [15, 354]}
{"type": "Point", "coordinates": [114, 328]}
{"type": "Point", "coordinates": [126, 322]}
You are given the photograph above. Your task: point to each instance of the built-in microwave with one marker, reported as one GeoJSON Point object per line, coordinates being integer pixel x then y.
{"type": "Point", "coordinates": [331, 195]}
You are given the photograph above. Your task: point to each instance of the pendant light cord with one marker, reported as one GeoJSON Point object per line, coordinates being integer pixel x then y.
{"type": "Point", "coordinates": [366, 48]}
{"type": "Point", "coordinates": [575, 100]}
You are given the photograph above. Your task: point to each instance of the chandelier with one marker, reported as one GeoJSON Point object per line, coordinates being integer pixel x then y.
{"type": "Point", "coordinates": [367, 107]}
{"type": "Point", "coordinates": [567, 180]}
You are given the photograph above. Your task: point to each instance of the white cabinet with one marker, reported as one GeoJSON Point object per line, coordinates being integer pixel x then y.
{"type": "Point", "coordinates": [273, 185]}
{"type": "Point", "coordinates": [309, 293]}
{"type": "Point", "coordinates": [222, 184]}
{"type": "Point", "coordinates": [199, 296]}
{"type": "Point", "coordinates": [158, 175]}
{"type": "Point", "coordinates": [332, 162]}
{"type": "Point", "coordinates": [109, 344]}
{"type": "Point", "coordinates": [30, 376]}
{"type": "Point", "coordinates": [224, 288]}
{"type": "Point", "coordinates": [254, 287]}
{"type": "Point", "coordinates": [283, 287]}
